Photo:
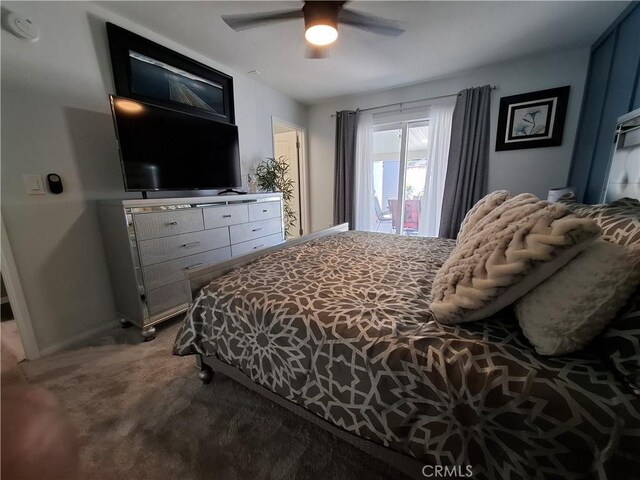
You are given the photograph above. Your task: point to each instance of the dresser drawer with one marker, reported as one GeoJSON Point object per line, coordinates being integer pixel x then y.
{"type": "Point", "coordinates": [163, 224]}
{"type": "Point", "coordinates": [249, 231]}
{"type": "Point", "coordinates": [169, 296]}
{"type": "Point", "coordinates": [264, 210]}
{"type": "Point", "coordinates": [175, 270]}
{"type": "Point", "coordinates": [224, 216]}
{"type": "Point", "coordinates": [167, 248]}
{"type": "Point", "coordinates": [257, 244]}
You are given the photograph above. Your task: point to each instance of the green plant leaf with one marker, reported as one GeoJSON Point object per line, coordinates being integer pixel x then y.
{"type": "Point", "coordinates": [271, 176]}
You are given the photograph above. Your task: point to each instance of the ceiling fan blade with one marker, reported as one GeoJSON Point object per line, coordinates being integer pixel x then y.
{"type": "Point", "coordinates": [317, 52]}
{"type": "Point", "coordinates": [370, 23]}
{"type": "Point", "coordinates": [244, 21]}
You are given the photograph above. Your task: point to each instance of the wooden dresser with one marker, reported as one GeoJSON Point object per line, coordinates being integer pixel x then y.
{"type": "Point", "coordinates": [151, 244]}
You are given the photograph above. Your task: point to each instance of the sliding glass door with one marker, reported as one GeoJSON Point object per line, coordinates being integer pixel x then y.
{"type": "Point", "coordinates": [399, 171]}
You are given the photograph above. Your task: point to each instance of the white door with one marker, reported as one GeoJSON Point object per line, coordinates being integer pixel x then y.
{"type": "Point", "coordinates": [286, 144]}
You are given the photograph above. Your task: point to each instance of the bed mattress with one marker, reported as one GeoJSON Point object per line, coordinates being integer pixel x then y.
{"type": "Point", "coordinates": [342, 326]}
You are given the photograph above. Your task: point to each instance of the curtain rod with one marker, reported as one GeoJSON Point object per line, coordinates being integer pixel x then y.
{"type": "Point", "coordinates": [493, 87]}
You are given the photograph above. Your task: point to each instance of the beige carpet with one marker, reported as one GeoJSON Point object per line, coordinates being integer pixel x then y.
{"type": "Point", "coordinates": [11, 353]}
{"type": "Point", "coordinates": [141, 413]}
{"type": "Point", "coordinates": [10, 339]}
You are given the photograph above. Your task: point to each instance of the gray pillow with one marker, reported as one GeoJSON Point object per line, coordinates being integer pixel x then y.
{"type": "Point", "coordinates": [568, 310]}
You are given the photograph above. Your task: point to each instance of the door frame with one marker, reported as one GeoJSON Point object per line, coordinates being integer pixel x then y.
{"type": "Point", "coordinates": [16, 296]}
{"type": "Point", "coordinates": [302, 167]}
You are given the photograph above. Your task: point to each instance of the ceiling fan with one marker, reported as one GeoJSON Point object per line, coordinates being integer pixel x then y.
{"type": "Point", "coordinates": [321, 19]}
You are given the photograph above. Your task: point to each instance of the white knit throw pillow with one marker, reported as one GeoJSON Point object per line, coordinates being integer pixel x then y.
{"type": "Point", "coordinates": [481, 209]}
{"type": "Point", "coordinates": [508, 252]}
{"type": "Point", "coordinates": [567, 311]}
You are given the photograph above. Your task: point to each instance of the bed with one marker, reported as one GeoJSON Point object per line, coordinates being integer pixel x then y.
{"type": "Point", "coordinates": [338, 329]}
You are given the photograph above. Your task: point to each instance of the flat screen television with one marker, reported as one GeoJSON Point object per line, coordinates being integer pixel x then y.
{"type": "Point", "coordinates": [164, 149]}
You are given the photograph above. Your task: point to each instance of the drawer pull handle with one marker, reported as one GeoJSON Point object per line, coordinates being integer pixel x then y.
{"type": "Point", "coordinates": [258, 246]}
{"type": "Point", "coordinates": [191, 244]}
{"type": "Point", "coordinates": [226, 216]}
{"type": "Point", "coordinates": [257, 229]}
{"type": "Point", "coordinates": [193, 266]}
{"type": "Point", "coordinates": [265, 210]}
{"type": "Point", "coordinates": [172, 224]}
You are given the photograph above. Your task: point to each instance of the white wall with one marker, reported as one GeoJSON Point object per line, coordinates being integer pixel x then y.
{"type": "Point", "coordinates": [532, 170]}
{"type": "Point", "coordinates": [55, 118]}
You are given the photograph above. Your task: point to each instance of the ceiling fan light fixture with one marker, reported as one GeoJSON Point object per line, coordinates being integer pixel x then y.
{"type": "Point", "coordinates": [321, 34]}
{"type": "Point", "coordinates": [321, 20]}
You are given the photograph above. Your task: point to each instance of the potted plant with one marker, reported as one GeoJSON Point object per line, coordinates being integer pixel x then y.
{"type": "Point", "coordinates": [271, 176]}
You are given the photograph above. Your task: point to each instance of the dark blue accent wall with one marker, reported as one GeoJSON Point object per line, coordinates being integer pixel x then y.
{"type": "Point", "coordinates": [612, 89]}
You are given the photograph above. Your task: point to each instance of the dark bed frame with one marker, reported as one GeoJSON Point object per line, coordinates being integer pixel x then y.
{"type": "Point", "coordinates": [207, 365]}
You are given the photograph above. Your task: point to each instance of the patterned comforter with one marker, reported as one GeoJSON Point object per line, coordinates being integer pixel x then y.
{"type": "Point", "coordinates": [342, 326]}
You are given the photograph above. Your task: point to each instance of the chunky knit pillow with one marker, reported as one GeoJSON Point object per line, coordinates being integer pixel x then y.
{"type": "Point", "coordinates": [619, 220]}
{"type": "Point", "coordinates": [485, 205]}
{"type": "Point", "coordinates": [509, 251]}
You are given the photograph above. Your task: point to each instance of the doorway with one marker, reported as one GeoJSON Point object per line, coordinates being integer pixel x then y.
{"type": "Point", "coordinates": [289, 142]}
{"type": "Point", "coordinates": [17, 336]}
{"type": "Point", "coordinates": [9, 334]}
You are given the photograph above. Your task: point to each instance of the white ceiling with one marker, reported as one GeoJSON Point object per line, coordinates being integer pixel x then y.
{"type": "Point", "coordinates": [441, 39]}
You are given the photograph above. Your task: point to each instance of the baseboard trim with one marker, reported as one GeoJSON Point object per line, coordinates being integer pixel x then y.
{"type": "Point", "coordinates": [55, 348]}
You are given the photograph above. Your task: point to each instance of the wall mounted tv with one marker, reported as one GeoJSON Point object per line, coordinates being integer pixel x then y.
{"type": "Point", "coordinates": [165, 149]}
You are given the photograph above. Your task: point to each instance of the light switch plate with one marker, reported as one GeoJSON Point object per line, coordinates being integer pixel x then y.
{"type": "Point", "coordinates": [33, 184]}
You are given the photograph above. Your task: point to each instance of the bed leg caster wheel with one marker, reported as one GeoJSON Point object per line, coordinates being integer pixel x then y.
{"type": "Point", "coordinates": [125, 323]}
{"type": "Point", "coordinates": [205, 375]}
{"type": "Point", "coordinates": [148, 334]}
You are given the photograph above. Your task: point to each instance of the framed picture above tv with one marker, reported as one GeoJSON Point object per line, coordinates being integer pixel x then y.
{"type": "Point", "coordinates": [146, 71]}
{"type": "Point", "coordinates": [532, 120]}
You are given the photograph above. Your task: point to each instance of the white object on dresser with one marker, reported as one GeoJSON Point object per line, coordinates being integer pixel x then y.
{"type": "Point", "coordinates": [151, 244]}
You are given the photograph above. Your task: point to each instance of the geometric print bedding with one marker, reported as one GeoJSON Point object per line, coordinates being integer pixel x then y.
{"type": "Point", "coordinates": [342, 327]}
{"type": "Point", "coordinates": [619, 220]}
{"type": "Point", "coordinates": [621, 344]}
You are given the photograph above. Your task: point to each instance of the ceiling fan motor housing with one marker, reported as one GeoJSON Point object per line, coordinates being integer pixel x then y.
{"type": "Point", "coordinates": [321, 13]}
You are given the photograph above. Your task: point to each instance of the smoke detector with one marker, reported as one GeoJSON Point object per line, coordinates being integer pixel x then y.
{"type": "Point", "coordinates": [22, 27]}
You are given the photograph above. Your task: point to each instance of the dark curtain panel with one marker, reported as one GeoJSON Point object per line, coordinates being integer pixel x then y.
{"type": "Point", "coordinates": [468, 164]}
{"type": "Point", "coordinates": [343, 207]}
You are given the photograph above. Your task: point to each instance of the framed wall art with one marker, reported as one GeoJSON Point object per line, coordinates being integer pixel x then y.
{"type": "Point", "coordinates": [532, 120]}
{"type": "Point", "coordinates": [146, 71]}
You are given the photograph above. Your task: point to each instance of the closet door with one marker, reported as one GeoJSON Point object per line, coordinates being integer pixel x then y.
{"type": "Point", "coordinates": [612, 89]}
{"type": "Point", "coordinates": [592, 105]}
{"type": "Point", "coordinates": [636, 102]}
{"type": "Point", "coordinates": [618, 101]}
